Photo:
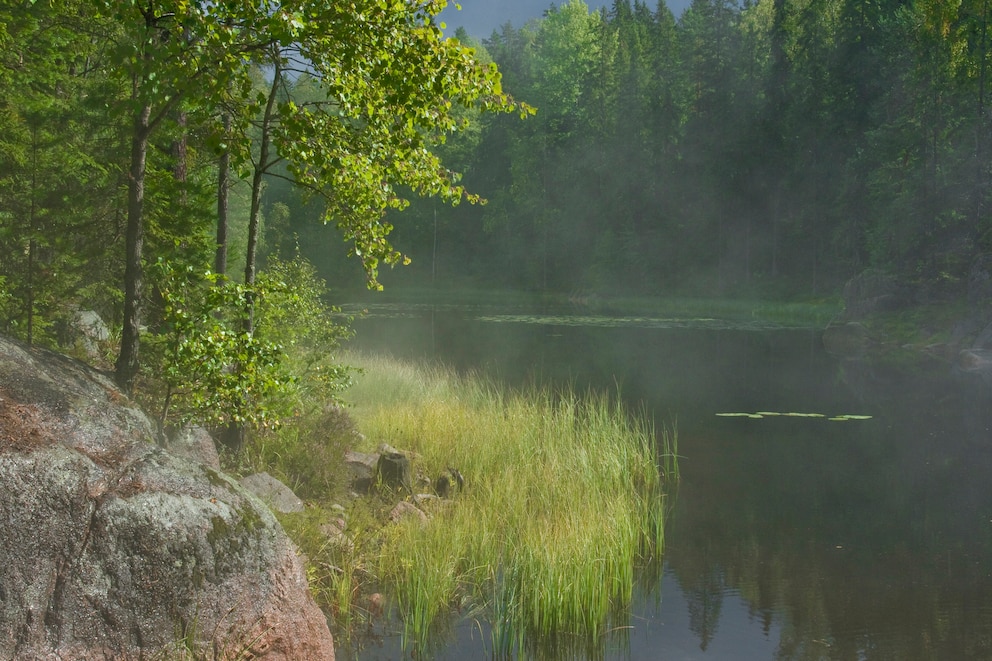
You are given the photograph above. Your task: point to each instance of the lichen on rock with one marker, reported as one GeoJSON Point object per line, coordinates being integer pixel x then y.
{"type": "Point", "coordinates": [115, 549]}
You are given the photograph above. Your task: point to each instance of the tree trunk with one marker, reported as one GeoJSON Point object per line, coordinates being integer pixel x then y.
{"type": "Point", "coordinates": [127, 360]}
{"type": "Point", "coordinates": [235, 434]}
{"type": "Point", "coordinates": [223, 195]}
{"type": "Point", "coordinates": [255, 217]}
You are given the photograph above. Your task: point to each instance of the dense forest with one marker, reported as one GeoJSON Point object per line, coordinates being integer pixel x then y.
{"type": "Point", "coordinates": [137, 140]}
{"type": "Point", "coordinates": [769, 147]}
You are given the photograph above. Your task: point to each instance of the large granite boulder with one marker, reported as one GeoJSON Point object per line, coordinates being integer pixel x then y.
{"type": "Point", "coordinates": [112, 548]}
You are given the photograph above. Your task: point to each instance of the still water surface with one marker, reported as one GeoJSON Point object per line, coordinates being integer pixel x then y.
{"type": "Point", "coordinates": [790, 538]}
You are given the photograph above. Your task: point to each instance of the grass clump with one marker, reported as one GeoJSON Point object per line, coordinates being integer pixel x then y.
{"type": "Point", "coordinates": [563, 502]}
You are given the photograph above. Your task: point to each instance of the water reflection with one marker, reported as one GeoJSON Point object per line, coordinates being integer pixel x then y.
{"type": "Point", "coordinates": [791, 538]}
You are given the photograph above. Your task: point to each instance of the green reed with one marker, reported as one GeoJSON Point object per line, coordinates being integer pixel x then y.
{"type": "Point", "coordinates": [563, 503]}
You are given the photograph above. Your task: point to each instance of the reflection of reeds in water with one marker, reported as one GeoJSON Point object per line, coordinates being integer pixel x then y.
{"type": "Point", "coordinates": [563, 502]}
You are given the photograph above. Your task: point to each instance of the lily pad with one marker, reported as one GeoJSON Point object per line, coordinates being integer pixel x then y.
{"type": "Point", "coordinates": [794, 414]}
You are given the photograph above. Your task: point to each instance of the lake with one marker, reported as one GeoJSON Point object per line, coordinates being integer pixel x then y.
{"type": "Point", "coordinates": [791, 537]}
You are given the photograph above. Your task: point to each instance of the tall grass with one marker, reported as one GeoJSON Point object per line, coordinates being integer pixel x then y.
{"type": "Point", "coordinates": [563, 502]}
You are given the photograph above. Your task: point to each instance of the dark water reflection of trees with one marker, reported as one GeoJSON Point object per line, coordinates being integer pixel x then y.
{"type": "Point", "coordinates": [842, 540]}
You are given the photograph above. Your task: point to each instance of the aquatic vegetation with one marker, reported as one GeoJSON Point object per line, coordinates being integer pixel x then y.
{"type": "Point", "coordinates": [563, 503]}
{"type": "Point", "coordinates": [701, 314]}
{"type": "Point", "coordinates": [771, 414]}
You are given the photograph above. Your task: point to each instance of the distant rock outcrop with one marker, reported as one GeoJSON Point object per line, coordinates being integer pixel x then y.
{"type": "Point", "coordinates": [113, 548]}
{"type": "Point", "coordinates": [874, 291]}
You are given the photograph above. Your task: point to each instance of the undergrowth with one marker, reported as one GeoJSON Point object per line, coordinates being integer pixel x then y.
{"type": "Point", "coordinates": [563, 503]}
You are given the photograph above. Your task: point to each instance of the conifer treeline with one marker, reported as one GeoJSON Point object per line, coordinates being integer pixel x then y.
{"type": "Point", "coordinates": [775, 145]}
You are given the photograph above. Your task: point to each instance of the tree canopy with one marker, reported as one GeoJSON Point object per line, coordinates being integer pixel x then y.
{"type": "Point", "coordinates": [118, 113]}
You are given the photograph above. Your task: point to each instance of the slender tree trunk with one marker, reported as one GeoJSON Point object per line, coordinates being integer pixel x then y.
{"type": "Point", "coordinates": [223, 195]}
{"type": "Point", "coordinates": [255, 218]}
{"type": "Point", "coordinates": [127, 360]}
{"type": "Point", "coordinates": [234, 435]}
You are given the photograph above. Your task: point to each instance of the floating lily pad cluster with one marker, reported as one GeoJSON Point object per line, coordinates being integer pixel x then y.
{"type": "Point", "coordinates": [773, 414]}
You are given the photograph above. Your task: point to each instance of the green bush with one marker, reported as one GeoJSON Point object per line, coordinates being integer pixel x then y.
{"type": "Point", "coordinates": [229, 354]}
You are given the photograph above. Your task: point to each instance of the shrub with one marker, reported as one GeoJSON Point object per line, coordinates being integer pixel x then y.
{"type": "Point", "coordinates": [207, 366]}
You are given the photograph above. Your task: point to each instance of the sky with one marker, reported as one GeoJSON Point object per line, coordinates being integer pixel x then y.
{"type": "Point", "coordinates": [481, 17]}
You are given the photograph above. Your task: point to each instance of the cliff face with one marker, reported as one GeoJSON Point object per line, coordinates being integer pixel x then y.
{"type": "Point", "coordinates": [113, 548]}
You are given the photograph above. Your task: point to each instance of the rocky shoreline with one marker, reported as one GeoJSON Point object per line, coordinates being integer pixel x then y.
{"type": "Point", "coordinates": [116, 548]}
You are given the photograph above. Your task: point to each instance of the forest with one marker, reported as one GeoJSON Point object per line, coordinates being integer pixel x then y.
{"type": "Point", "coordinates": [210, 178]}
{"type": "Point", "coordinates": [771, 149]}
{"type": "Point", "coordinates": [137, 141]}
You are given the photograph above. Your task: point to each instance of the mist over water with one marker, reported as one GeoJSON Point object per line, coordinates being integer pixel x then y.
{"type": "Point", "coordinates": [790, 537]}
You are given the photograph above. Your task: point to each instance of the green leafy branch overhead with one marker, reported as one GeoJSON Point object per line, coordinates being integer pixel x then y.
{"type": "Point", "coordinates": [386, 85]}
{"type": "Point", "coordinates": [170, 81]}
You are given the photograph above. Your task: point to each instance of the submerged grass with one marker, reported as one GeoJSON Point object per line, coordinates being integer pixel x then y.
{"type": "Point", "coordinates": [563, 502]}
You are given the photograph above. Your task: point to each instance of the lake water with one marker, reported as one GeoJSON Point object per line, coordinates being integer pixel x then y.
{"type": "Point", "coordinates": [791, 537]}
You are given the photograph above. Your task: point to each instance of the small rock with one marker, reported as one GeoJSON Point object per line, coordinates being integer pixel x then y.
{"type": "Point", "coordinates": [405, 510]}
{"type": "Point", "coordinates": [334, 532]}
{"type": "Point", "coordinates": [874, 291]}
{"type": "Point", "coordinates": [86, 331]}
{"type": "Point", "coordinates": [377, 603]}
{"type": "Point", "coordinates": [386, 448]}
{"type": "Point", "coordinates": [274, 493]}
{"type": "Point", "coordinates": [91, 325]}
{"type": "Point", "coordinates": [426, 499]}
{"type": "Point", "coordinates": [361, 464]}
